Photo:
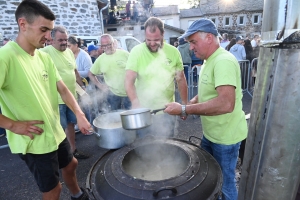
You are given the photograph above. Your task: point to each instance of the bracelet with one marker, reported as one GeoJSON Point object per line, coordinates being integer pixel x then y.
{"type": "Point", "coordinates": [183, 111]}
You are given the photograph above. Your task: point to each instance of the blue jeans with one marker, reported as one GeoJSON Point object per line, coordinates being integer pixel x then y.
{"type": "Point", "coordinates": [116, 102]}
{"type": "Point", "coordinates": [66, 116]}
{"type": "Point", "coordinates": [226, 156]}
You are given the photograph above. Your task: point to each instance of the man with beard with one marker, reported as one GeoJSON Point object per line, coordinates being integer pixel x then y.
{"type": "Point", "coordinates": [112, 64]}
{"type": "Point", "coordinates": [29, 87]}
{"type": "Point", "coordinates": [66, 65]}
{"type": "Point", "coordinates": [219, 101]}
{"type": "Point", "coordinates": [151, 69]}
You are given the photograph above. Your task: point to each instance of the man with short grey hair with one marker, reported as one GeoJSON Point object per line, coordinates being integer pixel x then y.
{"type": "Point", "coordinates": [219, 101]}
{"type": "Point", "coordinates": [65, 63]}
{"type": "Point", "coordinates": [112, 64]}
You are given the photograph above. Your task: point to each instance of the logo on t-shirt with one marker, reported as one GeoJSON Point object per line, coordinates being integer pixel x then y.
{"type": "Point", "coordinates": [168, 61]}
{"type": "Point", "coordinates": [45, 75]}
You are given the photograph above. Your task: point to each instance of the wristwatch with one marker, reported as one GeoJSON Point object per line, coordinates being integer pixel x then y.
{"type": "Point", "coordinates": [183, 111]}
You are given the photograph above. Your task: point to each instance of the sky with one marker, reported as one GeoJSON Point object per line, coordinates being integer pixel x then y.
{"type": "Point", "coordinates": [182, 3]}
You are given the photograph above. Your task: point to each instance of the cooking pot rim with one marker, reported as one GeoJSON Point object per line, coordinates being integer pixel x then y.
{"type": "Point", "coordinates": [135, 111]}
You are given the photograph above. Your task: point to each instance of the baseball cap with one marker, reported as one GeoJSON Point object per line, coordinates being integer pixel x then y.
{"type": "Point", "coordinates": [204, 25]}
{"type": "Point", "coordinates": [239, 38]}
{"type": "Point", "coordinates": [92, 47]}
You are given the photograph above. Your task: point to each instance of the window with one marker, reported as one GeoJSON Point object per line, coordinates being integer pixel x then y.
{"type": "Point", "coordinates": [227, 21]}
{"type": "Point", "coordinates": [255, 19]}
{"type": "Point", "coordinates": [130, 43]}
{"type": "Point", "coordinates": [112, 29]}
{"type": "Point", "coordinates": [241, 20]}
{"type": "Point", "coordinates": [129, 28]}
{"type": "Point", "coordinates": [213, 19]}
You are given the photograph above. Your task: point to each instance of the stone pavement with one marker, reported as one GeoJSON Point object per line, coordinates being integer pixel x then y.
{"type": "Point", "coordinates": [17, 183]}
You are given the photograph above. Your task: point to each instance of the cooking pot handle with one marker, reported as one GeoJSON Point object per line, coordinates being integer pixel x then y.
{"type": "Point", "coordinates": [174, 190]}
{"type": "Point", "coordinates": [94, 132]}
{"type": "Point", "coordinates": [157, 110]}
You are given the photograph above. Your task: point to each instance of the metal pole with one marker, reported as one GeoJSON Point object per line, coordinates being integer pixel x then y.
{"type": "Point", "coordinates": [272, 158]}
{"type": "Point", "coordinates": [101, 17]}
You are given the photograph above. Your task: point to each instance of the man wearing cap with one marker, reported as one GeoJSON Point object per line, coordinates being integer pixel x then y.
{"type": "Point", "coordinates": [94, 52]}
{"type": "Point", "coordinates": [219, 101]}
{"type": "Point", "coordinates": [238, 50]}
{"type": "Point", "coordinates": [112, 65]}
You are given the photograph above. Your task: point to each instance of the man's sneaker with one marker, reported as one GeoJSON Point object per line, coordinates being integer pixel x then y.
{"type": "Point", "coordinates": [84, 196]}
{"type": "Point", "coordinates": [76, 128]}
{"type": "Point", "coordinates": [80, 155]}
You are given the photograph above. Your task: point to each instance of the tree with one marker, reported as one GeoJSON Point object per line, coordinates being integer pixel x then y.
{"type": "Point", "coordinates": [194, 3]}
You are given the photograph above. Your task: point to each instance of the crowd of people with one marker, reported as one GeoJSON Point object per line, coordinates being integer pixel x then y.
{"type": "Point", "coordinates": [242, 48]}
{"type": "Point", "coordinates": [41, 130]}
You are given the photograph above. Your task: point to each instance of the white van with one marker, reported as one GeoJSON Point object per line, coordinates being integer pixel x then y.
{"type": "Point", "coordinates": [124, 42]}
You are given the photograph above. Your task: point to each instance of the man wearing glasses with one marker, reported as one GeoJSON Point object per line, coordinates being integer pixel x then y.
{"type": "Point", "coordinates": [65, 63]}
{"type": "Point", "coordinates": [112, 65]}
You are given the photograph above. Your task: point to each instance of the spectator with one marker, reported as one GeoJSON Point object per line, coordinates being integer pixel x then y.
{"type": "Point", "coordinates": [5, 41]}
{"type": "Point", "coordinates": [176, 44]}
{"type": "Point", "coordinates": [238, 50]}
{"type": "Point", "coordinates": [248, 50]}
{"type": "Point", "coordinates": [83, 60]}
{"type": "Point", "coordinates": [219, 102]}
{"type": "Point", "coordinates": [186, 53]}
{"type": "Point", "coordinates": [66, 66]}
{"type": "Point", "coordinates": [254, 41]}
{"type": "Point", "coordinates": [224, 42]}
{"type": "Point", "coordinates": [30, 110]}
{"type": "Point", "coordinates": [232, 42]}
{"type": "Point", "coordinates": [128, 12]}
{"type": "Point", "coordinates": [94, 52]}
{"type": "Point", "coordinates": [151, 69]}
{"type": "Point", "coordinates": [112, 64]}
{"type": "Point", "coordinates": [135, 11]}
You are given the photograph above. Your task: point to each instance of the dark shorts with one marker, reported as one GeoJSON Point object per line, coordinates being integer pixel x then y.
{"type": "Point", "coordinates": [45, 167]}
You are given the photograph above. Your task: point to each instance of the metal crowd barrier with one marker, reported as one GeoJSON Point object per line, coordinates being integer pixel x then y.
{"type": "Point", "coordinates": [245, 75]}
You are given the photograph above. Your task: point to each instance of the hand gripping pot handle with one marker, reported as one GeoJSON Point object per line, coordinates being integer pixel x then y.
{"type": "Point", "coordinates": [94, 132]}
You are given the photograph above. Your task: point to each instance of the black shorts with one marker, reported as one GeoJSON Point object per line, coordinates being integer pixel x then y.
{"type": "Point", "coordinates": [45, 167]}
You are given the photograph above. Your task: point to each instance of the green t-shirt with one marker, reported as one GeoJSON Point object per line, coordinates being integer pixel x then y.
{"type": "Point", "coordinates": [113, 69]}
{"type": "Point", "coordinates": [28, 92]}
{"type": "Point", "coordinates": [222, 68]}
{"type": "Point", "coordinates": [66, 64]}
{"type": "Point", "coordinates": [156, 72]}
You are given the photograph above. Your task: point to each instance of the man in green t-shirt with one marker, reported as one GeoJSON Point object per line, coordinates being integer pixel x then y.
{"type": "Point", "coordinates": [151, 69]}
{"type": "Point", "coordinates": [112, 65]}
{"type": "Point", "coordinates": [219, 101]}
{"type": "Point", "coordinates": [29, 82]}
{"type": "Point", "coordinates": [65, 63]}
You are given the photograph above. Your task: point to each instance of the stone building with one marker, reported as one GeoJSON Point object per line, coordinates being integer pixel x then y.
{"type": "Point", "coordinates": [234, 17]}
{"type": "Point", "coordinates": [80, 17]}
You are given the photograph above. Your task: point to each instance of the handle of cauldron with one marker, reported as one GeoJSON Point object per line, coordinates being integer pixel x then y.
{"type": "Point", "coordinates": [94, 132]}
{"type": "Point", "coordinates": [157, 110]}
{"type": "Point", "coordinates": [174, 190]}
{"type": "Point", "coordinates": [190, 141]}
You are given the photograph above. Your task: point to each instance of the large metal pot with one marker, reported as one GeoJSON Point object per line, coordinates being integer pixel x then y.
{"type": "Point", "coordinates": [110, 134]}
{"type": "Point", "coordinates": [156, 168]}
{"type": "Point", "coordinates": [137, 118]}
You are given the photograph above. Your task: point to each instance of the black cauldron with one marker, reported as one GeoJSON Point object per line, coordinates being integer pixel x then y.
{"type": "Point", "coordinates": [156, 168]}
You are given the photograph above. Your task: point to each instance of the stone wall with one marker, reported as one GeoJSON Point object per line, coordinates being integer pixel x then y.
{"type": "Point", "coordinates": [80, 17]}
